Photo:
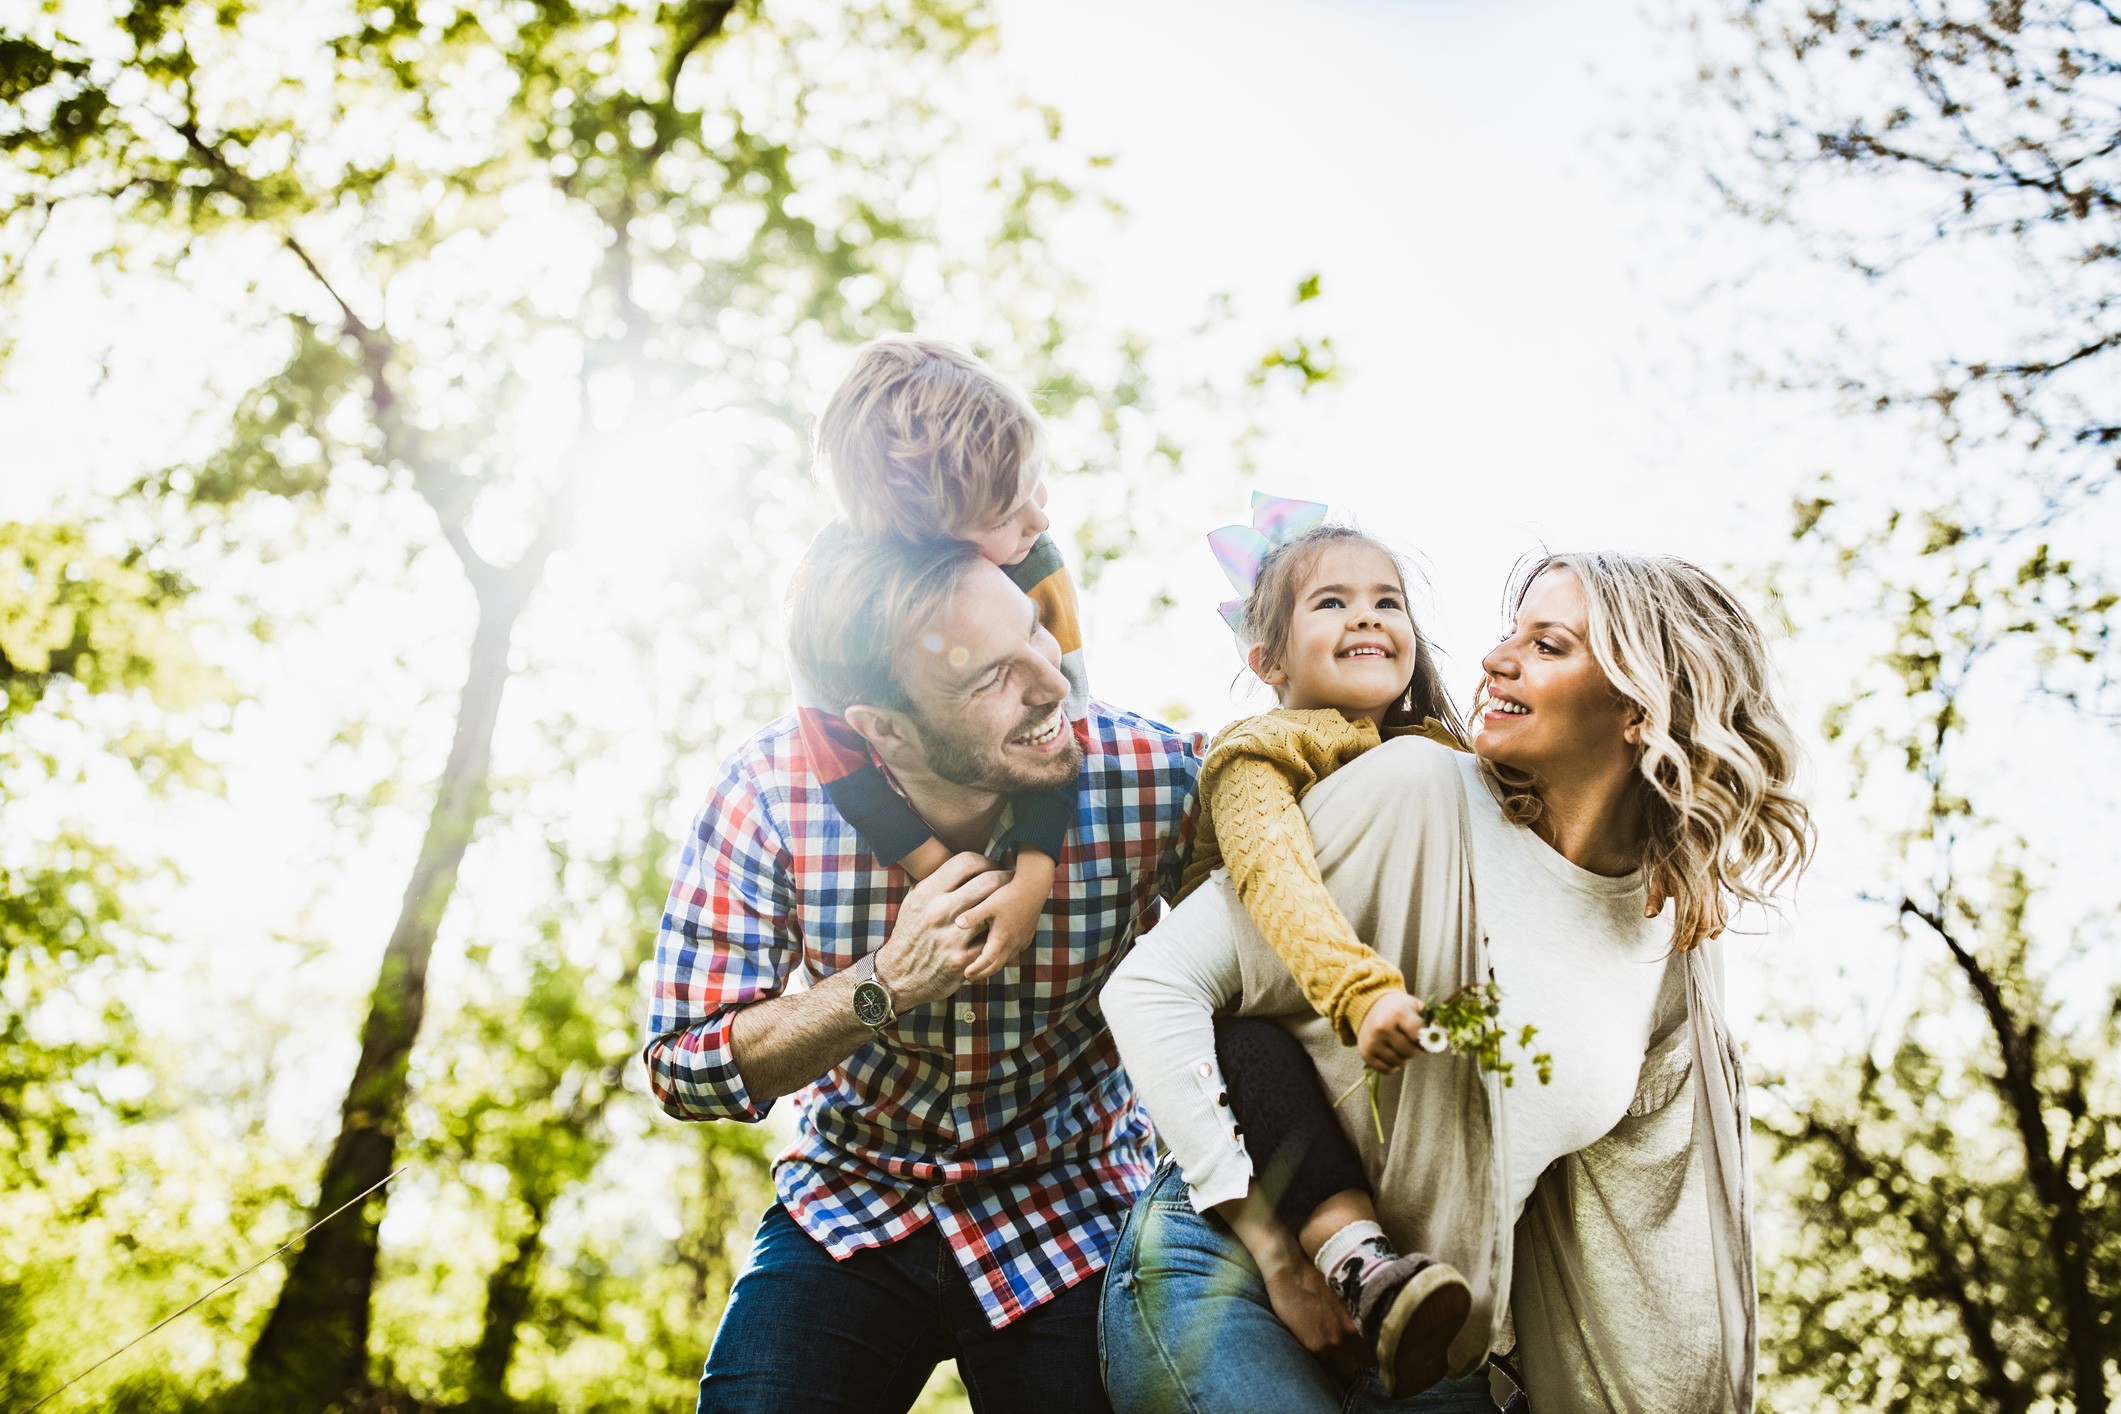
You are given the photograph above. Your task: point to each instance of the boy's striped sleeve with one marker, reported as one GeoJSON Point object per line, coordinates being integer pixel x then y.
{"type": "Point", "coordinates": [1044, 817]}
{"type": "Point", "coordinates": [1043, 575]}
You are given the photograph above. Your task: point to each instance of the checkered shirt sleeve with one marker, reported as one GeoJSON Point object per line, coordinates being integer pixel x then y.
{"type": "Point", "coordinates": [729, 937]}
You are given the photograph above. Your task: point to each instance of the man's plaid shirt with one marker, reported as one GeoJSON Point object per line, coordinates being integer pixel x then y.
{"type": "Point", "coordinates": [1001, 1112]}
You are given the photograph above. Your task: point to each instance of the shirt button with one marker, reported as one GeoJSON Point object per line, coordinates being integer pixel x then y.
{"type": "Point", "coordinates": [967, 1015]}
{"type": "Point", "coordinates": [1206, 1070]}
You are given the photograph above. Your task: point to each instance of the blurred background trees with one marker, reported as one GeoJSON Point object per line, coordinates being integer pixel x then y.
{"type": "Point", "coordinates": [530, 304]}
{"type": "Point", "coordinates": [1947, 1195]}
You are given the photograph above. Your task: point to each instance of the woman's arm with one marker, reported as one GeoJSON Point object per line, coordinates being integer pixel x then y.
{"type": "Point", "coordinates": [1296, 1288]}
{"type": "Point", "coordinates": [1160, 1004]}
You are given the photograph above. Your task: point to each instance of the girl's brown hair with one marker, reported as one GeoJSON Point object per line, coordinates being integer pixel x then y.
{"type": "Point", "coordinates": [1271, 610]}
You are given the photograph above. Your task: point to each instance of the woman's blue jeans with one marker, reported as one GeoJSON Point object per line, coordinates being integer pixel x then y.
{"type": "Point", "coordinates": [1185, 1328]}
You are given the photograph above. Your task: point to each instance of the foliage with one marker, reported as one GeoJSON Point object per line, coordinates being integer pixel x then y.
{"type": "Point", "coordinates": [537, 295]}
{"type": "Point", "coordinates": [1951, 1239]}
{"type": "Point", "coordinates": [82, 635]}
{"type": "Point", "coordinates": [1469, 1023]}
{"type": "Point", "coordinates": [1957, 1244]}
{"type": "Point", "coordinates": [1941, 147]}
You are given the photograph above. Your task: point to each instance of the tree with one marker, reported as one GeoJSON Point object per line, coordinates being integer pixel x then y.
{"type": "Point", "coordinates": [504, 254]}
{"type": "Point", "coordinates": [1955, 150]}
{"type": "Point", "coordinates": [1955, 1241]}
{"type": "Point", "coordinates": [1958, 1244]}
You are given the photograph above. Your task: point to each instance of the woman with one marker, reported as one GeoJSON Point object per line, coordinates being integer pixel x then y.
{"type": "Point", "coordinates": [1629, 763]}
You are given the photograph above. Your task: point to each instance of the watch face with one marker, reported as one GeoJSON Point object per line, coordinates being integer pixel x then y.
{"type": "Point", "coordinates": [872, 1004]}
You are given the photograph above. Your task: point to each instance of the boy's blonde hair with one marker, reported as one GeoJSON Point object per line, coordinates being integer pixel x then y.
{"type": "Point", "coordinates": [922, 439]}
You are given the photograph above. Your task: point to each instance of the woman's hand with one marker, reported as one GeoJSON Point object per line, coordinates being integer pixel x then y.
{"type": "Point", "coordinates": [1390, 1033]}
{"type": "Point", "coordinates": [1307, 1306]}
{"type": "Point", "coordinates": [1296, 1288]}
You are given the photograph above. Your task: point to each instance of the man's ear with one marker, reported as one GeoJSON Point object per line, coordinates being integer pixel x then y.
{"type": "Point", "coordinates": [880, 727]}
{"type": "Point", "coordinates": [1269, 673]}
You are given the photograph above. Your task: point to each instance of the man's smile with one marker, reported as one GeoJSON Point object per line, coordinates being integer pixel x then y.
{"type": "Point", "coordinates": [1043, 734]}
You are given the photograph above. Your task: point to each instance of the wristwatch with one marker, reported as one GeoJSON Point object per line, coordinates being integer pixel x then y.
{"type": "Point", "coordinates": [872, 1000]}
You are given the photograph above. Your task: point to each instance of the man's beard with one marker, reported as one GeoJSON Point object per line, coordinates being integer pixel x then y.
{"type": "Point", "coordinates": [984, 767]}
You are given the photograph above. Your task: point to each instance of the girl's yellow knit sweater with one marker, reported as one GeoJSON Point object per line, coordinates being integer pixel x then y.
{"type": "Point", "coordinates": [1251, 788]}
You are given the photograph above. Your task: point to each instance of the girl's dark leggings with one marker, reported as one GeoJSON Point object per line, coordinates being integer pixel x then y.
{"type": "Point", "coordinates": [1299, 1154]}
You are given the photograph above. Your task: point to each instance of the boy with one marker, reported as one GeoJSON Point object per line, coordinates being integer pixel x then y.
{"type": "Point", "coordinates": [922, 439]}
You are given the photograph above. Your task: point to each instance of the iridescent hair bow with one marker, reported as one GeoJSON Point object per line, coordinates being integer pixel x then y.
{"type": "Point", "coordinates": [1242, 549]}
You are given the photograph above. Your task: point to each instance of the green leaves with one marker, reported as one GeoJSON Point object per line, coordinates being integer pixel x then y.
{"type": "Point", "coordinates": [70, 613]}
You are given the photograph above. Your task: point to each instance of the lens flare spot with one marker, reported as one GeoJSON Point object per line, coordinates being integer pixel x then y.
{"type": "Point", "coordinates": [959, 657]}
{"type": "Point", "coordinates": [932, 642]}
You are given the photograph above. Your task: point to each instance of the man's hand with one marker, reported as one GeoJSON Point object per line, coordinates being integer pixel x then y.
{"type": "Point", "coordinates": [1011, 913]}
{"type": "Point", "coordinates": [1389, 1035]}
{"type": "Point", "coordinates": [927, 954]}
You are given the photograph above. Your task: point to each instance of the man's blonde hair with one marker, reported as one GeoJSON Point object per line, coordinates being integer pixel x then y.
{"type": "Point", "coordinates": [922, 439]}
{"type": "Point", "coordinates": [855, 609]}
{"type": "Point", "coordinates": [1718, 762]}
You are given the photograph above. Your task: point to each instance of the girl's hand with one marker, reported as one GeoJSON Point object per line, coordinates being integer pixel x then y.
{"type": "Point", "coordinates": [1389, 1034]}
{"type": "Point", "coordinates": [1011, 913]}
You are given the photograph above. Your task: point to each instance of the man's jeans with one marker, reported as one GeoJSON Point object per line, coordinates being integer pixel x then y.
{"type": "Point", "coordinates": [804, 1332]}
{"type": "Point", "coordinates": [1186, 1326]}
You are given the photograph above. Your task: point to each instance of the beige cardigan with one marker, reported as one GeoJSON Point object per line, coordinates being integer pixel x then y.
{"type": "Point", "coordinates": [1627, 1283]}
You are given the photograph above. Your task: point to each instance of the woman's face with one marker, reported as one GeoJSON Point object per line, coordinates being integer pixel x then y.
{"type": "Point", "coordinates": [1550, 708]}
{"type": "Point", "coordinates": [1351, 642]}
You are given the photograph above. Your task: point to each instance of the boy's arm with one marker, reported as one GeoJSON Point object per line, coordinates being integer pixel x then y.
{"type": "Point", "coordinates": [1266, 844]}
{"type": "Point", "coordinates": [1011, 912]}
{"type": "Point", "coordinates": [889, 828]}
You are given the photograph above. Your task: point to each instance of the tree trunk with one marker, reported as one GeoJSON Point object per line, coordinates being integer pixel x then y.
{"type": "Point", "coordinates": [508, 1293]}
{"type": "Point", "coordinates": [313, 1351]}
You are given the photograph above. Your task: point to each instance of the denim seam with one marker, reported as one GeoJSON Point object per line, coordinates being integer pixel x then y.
{"type": "Point", "coordinates": [1133, 1291]}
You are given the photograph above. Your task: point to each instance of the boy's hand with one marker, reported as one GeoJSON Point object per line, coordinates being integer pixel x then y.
{"type": "Point", "coordinates": [1389, 1034]}
{"type": "Point", "coordinates": [927, 955]}
{"type": "Point", "coordinates": [1011, 913]}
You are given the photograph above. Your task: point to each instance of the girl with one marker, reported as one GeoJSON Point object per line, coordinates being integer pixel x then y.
{"type": "Point", "coordinates": [1630, 754]}
{"type": "Point", "coordinates": [1326, 626]}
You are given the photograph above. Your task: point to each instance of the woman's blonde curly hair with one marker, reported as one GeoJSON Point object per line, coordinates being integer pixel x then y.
{"type": "Point", "coordinates": [1718, 762]}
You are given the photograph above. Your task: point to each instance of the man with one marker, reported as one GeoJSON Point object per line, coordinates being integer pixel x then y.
{"type": "Point", "coordinates": [968, 1146]}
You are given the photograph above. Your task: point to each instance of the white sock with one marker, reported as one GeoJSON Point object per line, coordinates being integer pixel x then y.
{"type": "Point", "coordinates": [1362, 1240]}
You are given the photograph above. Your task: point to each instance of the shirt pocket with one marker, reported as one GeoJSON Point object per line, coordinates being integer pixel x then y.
{"type": "Point", "coordinates": [1089, 924]}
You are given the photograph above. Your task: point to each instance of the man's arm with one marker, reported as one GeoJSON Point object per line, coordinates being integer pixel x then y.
{"type": "Point", "coordinates": [784, 1043]}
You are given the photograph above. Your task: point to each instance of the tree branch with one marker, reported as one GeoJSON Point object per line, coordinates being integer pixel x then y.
{"type": "Point", "coordinates": [401, 443]}
{"type": "Point", "coordinates": [1947, 1281]}
{"type": "Point", "coordinates": [2020, 1088]}
{"type": "Point", "coordinates": [712, 17]}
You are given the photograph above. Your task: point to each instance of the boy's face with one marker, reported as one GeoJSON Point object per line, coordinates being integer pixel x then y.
{"type": "Point", "coordinates": [1006, 541]}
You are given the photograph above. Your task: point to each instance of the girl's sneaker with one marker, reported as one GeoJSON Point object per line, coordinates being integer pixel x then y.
{"type": "Point", "coordinates": [1409, 1310]}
